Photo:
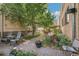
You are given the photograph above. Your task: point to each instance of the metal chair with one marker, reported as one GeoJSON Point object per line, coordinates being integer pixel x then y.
{"type": "Point", "coordinates": [14, 41]}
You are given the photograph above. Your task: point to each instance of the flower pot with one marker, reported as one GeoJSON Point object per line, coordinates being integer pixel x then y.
{"type": "Point", "coordinates": [38, 44]}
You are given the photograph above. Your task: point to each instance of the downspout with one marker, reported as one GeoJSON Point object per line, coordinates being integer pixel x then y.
{"type": "Point", "coordinates": [74, 27]}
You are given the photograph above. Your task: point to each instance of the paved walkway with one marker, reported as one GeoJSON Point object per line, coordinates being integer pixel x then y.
{"type": "Point", "coordinates": [5, 49]}
{"type": "Point", "coordinates": [30, 46]}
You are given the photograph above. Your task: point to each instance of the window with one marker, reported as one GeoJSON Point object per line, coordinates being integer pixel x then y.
{"type": "Point", "coordinates": [66, 18]}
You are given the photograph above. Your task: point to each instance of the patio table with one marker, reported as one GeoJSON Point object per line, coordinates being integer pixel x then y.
{"type": "Point", "coordinates": [13, 42]}
{"type": "Point", "coordinates": [4, 39]}
{"type": "Point", "coordinates": [10, 36]}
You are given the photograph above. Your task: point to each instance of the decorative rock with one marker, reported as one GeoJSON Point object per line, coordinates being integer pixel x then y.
{"type": "Point", "coordinates": [67, 48]}
{"type": "Point", "coordinates": [76, 44]}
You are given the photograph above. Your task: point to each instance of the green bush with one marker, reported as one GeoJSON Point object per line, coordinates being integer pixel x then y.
{"type": "Point", "coordinates": [62, 40]}
{"type": "Point", "coordinates": [47, 41]}
{"type": "Point", "coordinates": [22, 53]}
{"type": "Point", "coordinates": [56, 31]}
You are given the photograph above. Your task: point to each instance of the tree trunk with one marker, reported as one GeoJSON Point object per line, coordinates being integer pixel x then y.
{"type": "Point", "coordinates": [33, 29]}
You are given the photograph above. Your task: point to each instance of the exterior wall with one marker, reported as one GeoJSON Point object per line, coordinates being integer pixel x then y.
{"type": "Point", "coordinates": [77, 21]}
{"type": "Point", "coordinates": [8, 26]}
{"type": "Point", "coordinates": [67, 29]}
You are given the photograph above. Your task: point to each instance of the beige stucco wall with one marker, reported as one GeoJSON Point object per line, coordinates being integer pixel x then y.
{"type": "Point", "coordinates": [9, 26]}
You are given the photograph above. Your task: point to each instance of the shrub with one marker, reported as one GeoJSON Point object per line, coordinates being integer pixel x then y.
{"type": "Point", "coordinates": [56, 31]}
{"type": "Point", "coordinates": [62, 40]}
{"type": "Point", "coordinates": [47, 41]}
{"type": "Point", "coordinates": [22, 53]}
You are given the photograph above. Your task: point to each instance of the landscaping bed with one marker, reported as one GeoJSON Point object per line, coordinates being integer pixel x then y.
{"type": "Point", "coordinates": [21, 53]}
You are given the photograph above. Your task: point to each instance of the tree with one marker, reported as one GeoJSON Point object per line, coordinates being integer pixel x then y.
{"type": "Point", "coordinates": [29, 14]}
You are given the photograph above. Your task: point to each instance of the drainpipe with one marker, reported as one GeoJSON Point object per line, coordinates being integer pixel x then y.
{"type": "Point", "coordinates": [74, 27]}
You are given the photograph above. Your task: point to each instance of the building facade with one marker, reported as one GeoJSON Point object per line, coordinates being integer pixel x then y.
{"type": "Point", "coordinates": [69, 20]}
{"type": "Point", "coordinates": [6, 25]}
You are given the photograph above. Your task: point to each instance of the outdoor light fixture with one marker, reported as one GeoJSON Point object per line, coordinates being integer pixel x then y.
{"type": "Point", "coordinates": [72, 10]}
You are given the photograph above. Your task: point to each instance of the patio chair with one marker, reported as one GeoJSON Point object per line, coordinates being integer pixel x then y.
{"type": "Point", "coordinates": [13, 41]}
{"type": "Point", "coordinates": [5, 38]}
{"type": "Point", "coordinates": [18, 36]}
{"type": "Point", "coordinates": [73, 49]}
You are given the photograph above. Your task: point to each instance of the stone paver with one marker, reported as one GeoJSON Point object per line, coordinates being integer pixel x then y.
{"type": "Point", "coordinates": [5, 49]}
{"type": "Point", "coordinates": [50, 52]}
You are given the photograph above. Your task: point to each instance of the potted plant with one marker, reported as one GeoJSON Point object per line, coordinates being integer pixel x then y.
{"type": "Point", "coordinates": [38, 44]}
